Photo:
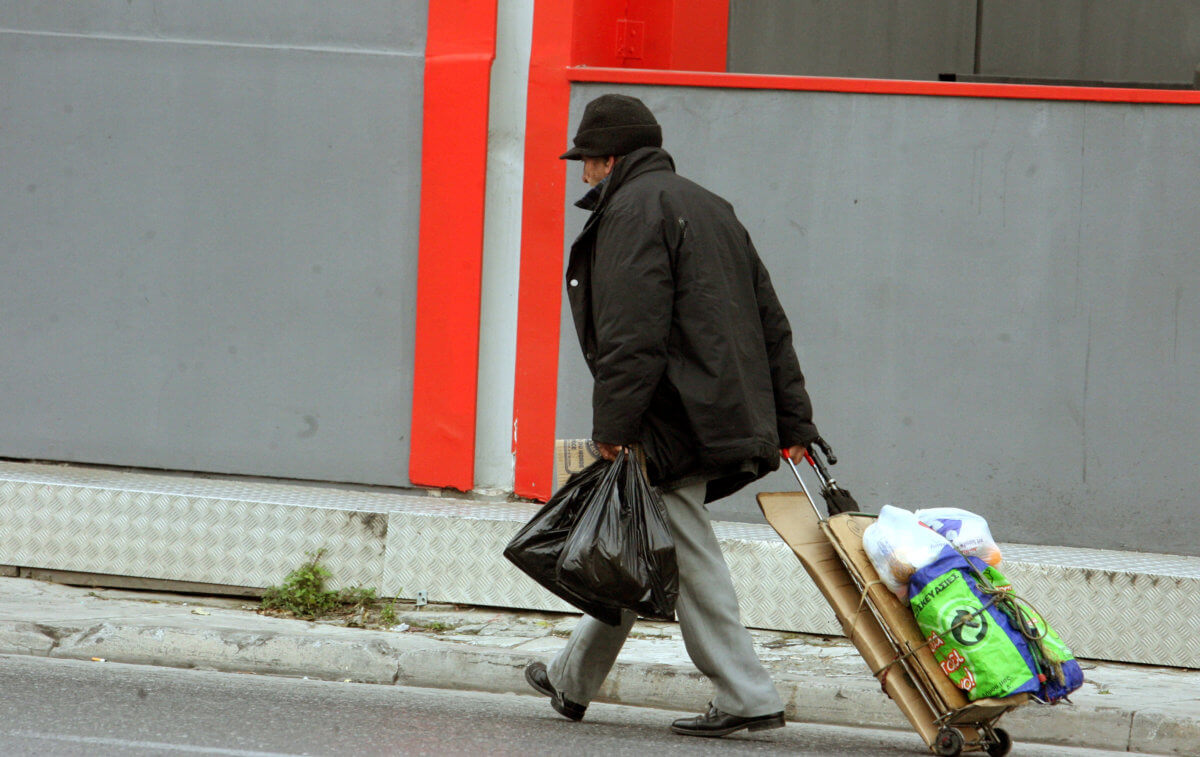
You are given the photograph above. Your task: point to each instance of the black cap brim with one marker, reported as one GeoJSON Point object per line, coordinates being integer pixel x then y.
{"type": "Point", "coordinates": [576, 153]}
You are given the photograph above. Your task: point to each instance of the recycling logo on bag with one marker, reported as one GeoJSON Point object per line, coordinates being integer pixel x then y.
{"type": "Point", "coordinates": [963, 620]}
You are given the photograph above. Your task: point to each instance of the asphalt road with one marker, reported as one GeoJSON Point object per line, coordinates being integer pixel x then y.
{"type": "Point", "coordinates": [63, 707]}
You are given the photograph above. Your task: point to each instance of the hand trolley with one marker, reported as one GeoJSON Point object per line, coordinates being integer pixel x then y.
{"type": "Point", "coordinates": [883, 628]}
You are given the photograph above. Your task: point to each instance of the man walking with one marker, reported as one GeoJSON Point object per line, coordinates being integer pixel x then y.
{"type": "Point", "coordinates": [692, 359]}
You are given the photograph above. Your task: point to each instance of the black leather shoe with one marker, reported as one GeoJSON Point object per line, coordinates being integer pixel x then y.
{"type": "Point", "coordinates": [539, 679]}
{"type": "Point", "coordinates": [716, 723]}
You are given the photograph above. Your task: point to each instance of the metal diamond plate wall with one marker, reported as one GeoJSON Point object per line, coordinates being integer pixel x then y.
{"type": "Point", "coordinates": [1121, 606]}
{"type": "Point", "coordinates": [773, 589]}
{"type": "Point", "coordinates": [183, 529]}
{"type": "Point", "coordinates": [454, 553]}
{"type": "Point", "coordinates": [1127, 607]}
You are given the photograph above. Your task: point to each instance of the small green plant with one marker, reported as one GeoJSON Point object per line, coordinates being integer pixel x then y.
{"type": "Point", "coordinates": [387, 616]}
{"type": "Point", "coordinates": [303, 592]}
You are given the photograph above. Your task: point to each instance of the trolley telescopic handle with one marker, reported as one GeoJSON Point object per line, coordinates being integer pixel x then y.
{"type": "Point", "coordinates": [800, 479]}
{"type": "Point", "coordinates": [818, 467]}
{"type": "Point", "coordinates": [828, 484]}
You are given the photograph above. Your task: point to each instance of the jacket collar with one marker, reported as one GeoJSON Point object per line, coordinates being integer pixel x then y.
{"type": "Point", "coordinates": [591, 200]}
{"type": "Point", "coordinates": [640, 161]}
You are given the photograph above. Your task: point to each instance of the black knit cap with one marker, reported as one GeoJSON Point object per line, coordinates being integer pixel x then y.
{"type": "Point", "coordinates": [614, 125]}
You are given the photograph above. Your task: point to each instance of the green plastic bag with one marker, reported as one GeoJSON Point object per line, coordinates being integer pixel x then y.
{"type": "Point", "coordinates": [988, 641]}
{"type": "Point", "coordinates": [973, 641]}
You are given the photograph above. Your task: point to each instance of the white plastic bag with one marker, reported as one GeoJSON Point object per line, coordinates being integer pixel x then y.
{"type": "Point", "coordinates": [968, 532]}
{"type": "Point", "coordinates": [899, 546]}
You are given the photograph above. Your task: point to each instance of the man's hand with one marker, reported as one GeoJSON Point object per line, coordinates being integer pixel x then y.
{"type": "Point", "coordinates": [796, 453]}
{"type": "Point", "coordinates": [609, 451]}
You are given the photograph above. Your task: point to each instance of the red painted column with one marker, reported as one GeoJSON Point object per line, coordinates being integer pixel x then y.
{"type": "Point", "coordinates": [540, 298]}
{"type": "Point", "coordinates": [459, 49]}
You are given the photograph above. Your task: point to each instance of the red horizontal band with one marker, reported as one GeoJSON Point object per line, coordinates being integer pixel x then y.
{"type": "Point", "coordinates": [883, 86]}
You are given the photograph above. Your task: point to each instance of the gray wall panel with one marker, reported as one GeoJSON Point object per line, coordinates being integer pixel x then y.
{"type": "Point", "coordinates": [1090, 40]}
{"type": "Point", "coordinates": [396, 26]}
{"type": "Point", "coordinates": [995, 301]}
{"type": "Point", "coordinates": [1114, 40]}
{"type": "Point", "coordinates": [208, 247]}
{"type": "Point", "coordinates": [894, 39]}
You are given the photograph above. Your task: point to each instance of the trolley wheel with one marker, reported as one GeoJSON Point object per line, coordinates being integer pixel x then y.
{"type": "Point", "coordinates": [949, 742]}
{"type": "Point", "coordinates": [1002, 745]}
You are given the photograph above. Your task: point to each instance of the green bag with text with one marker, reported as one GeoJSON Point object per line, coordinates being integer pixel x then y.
{"type": "Point", "coordinates": [985, 643]}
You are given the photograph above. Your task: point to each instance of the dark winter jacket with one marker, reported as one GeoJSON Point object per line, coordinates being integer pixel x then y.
{"type": "Point", "coordinates": [689, 347]}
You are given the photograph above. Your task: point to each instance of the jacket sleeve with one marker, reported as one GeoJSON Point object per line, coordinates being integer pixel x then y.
{"type": "Point", "coordinates": [793, 409]}
{"type": "Point", "coordinates": [633, 294]}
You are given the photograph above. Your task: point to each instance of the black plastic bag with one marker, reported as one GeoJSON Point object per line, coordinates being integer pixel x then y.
{"type": "Point", "coordinates": [621, 549]}
{"type": "Point", "coordinates": [538, 545]}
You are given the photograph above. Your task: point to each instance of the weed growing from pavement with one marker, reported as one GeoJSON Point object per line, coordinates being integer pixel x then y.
{"type": "Point", "coordinates": [303, 594]}
{"type": "Point", "coordinates": [387, 615]}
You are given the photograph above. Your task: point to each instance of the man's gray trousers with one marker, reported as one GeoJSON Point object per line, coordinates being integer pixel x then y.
{"type": "Point", "coordinates": [716, 640]}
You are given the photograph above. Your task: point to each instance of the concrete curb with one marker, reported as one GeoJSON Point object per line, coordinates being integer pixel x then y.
{"type": "Point", "coordinates": [296, 648]}
{"type": "Point", "coordinates": [821, 680]}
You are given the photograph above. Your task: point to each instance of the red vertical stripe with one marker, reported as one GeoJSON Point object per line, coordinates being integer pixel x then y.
{"type": "Point", "coordinates": [538, 309]}
{"type": "Point", "coordinates": [459, 49]}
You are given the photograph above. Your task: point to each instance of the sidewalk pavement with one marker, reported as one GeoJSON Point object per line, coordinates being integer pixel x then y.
{"type": "Point", "coordinates": [822, 680]}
